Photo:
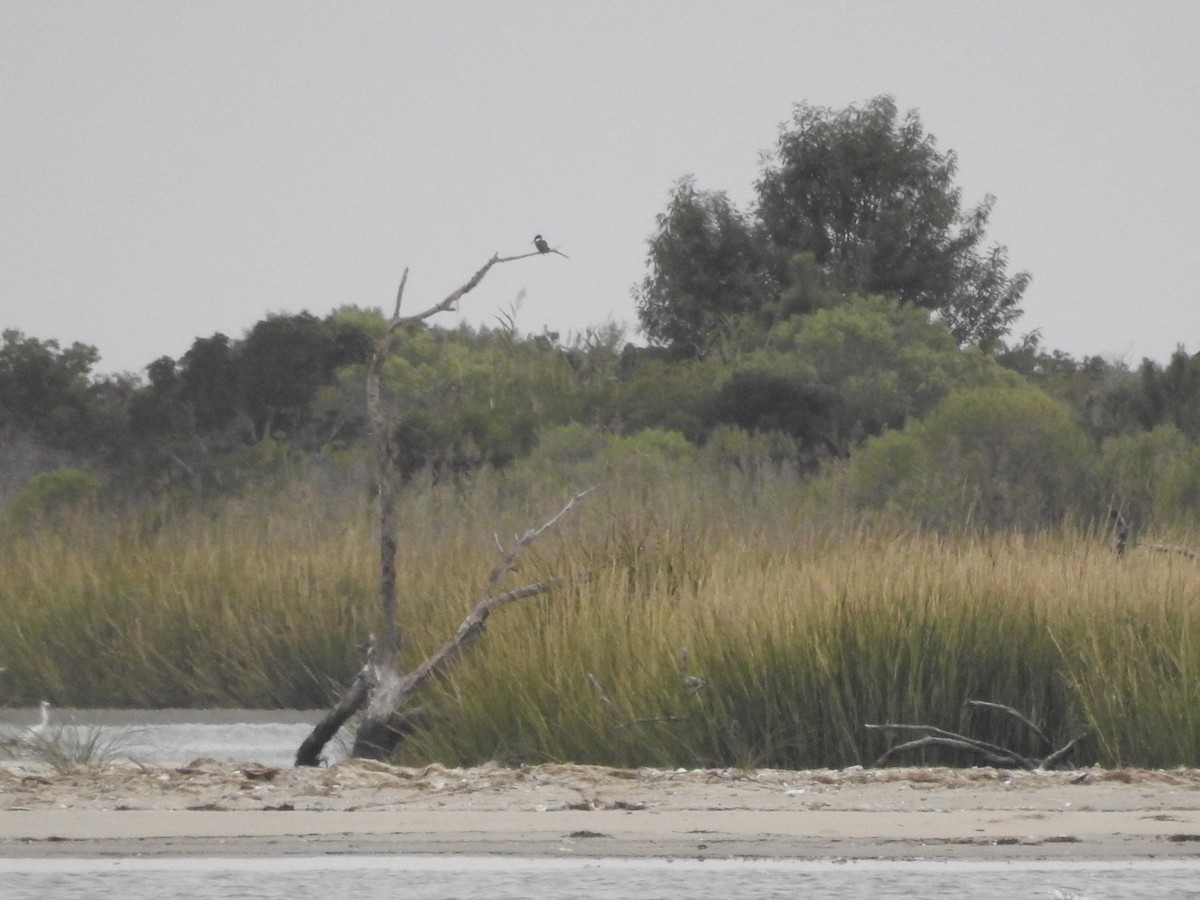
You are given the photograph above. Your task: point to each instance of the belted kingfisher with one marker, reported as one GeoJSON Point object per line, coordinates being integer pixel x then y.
{"type": "Point", "coordinates": [540, 243]}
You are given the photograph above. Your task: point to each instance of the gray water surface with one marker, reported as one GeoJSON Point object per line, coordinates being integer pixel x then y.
{"type": "Point", "coordinates": [499, 878]}
{"type": "Point", "coordinates": [178, 736]}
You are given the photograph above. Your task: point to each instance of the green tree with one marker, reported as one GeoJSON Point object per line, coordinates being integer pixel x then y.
{"type": "Point", "coordinates": [1134, 469]}
{"type": "Point", "coordinates": [46, 391]}
{"type": "Point", "coordinates": [284, 361]}
{"type": "Point", "coordinates": [1172, 392]}
{"type": "Point", "coordinates": [706, 271]}
{"type": "Point", "coordinates": [851, 202]}
{"type": "Point", "coordinates": [208, 384]}
{"type": "Point", "coordinates": [882, 362]}
{"type": "Point", "coordinates": [869, 194]}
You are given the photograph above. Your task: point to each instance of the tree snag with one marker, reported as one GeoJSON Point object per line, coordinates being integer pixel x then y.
{"type": "Point", "coordinates": [379, 686]}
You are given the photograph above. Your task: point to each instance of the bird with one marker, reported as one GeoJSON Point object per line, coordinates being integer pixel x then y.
{"type": "Point", "coordinates": [38, 730]}
{"type": "Point", "coordinates": [540, 243]}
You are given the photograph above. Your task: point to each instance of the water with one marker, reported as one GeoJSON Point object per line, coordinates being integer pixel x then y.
{"type": "Point", "coordinates": [499, 878]}
{"type": "Point", "coordinates": [178, 736]}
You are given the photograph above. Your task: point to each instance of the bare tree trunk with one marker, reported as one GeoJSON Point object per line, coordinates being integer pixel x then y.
{"type": "Point", "coordinates": [379, 687]}
{"type": "Point", "coordinates": [309, 753]}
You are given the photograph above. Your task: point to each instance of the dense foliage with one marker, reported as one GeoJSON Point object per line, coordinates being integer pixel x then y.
{"type": "Point", "coordinates": [871, 394]}
{"type": "Point", "coordinates": [852, 202]}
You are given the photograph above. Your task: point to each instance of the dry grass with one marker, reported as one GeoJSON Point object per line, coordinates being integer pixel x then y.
{"type": "Point", "coordinates": [728, 622]}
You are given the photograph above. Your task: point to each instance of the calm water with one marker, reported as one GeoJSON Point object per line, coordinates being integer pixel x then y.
{"type": "Point", "coordinates": [177, 736]}
{"type": "Point", "coordinates": [427, 878]}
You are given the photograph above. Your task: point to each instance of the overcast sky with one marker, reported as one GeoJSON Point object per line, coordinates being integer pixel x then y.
{"type": "Point", "coordinates": [170, 170]}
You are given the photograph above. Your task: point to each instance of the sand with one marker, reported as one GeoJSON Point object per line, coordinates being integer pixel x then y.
{"type": "Point", "coordinates": [216, 809]}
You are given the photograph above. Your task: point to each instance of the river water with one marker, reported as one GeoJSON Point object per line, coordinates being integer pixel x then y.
{"type": "Point", "coordinates": [499, 878]}
{"type": "Point", "coordinates": [178, 736]}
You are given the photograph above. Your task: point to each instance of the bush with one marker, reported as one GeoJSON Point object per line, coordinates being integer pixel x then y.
{"type": "Point", "coordinates": [1000, 457]}
{"type": "Point", "coordinates": [54, 494]}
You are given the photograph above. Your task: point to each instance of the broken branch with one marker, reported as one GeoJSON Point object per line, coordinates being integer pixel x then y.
{"type": "Point", "coordinates": [993, 753]}
{"type": "Point", "coordinates": [984, 704]}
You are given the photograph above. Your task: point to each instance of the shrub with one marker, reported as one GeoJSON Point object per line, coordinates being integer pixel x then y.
{"type": "Point", "coordinates": [993, 457]}
{"type": "Point", "coordinates": [54, 494]}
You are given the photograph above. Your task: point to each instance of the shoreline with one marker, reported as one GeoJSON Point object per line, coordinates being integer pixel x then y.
{"type": "Point", "coordinates": [357, 807]}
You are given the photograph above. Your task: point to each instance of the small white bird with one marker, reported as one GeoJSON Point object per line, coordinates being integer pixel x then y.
{"type": "Point", "coordinates": [40, 728]}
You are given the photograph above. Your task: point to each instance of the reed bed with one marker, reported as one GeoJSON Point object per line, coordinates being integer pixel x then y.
{"type": "Point", "coordinates": [697, 619]}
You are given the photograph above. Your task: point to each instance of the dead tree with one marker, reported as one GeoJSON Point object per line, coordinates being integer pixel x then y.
{"type": "Point", "coordinates": [1120, 532]}
{"type": "Point", "coordinates": [379, 689]}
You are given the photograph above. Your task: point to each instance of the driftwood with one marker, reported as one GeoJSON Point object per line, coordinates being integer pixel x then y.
{"type": "Point", "coordinates": [1122, 542]}
{"type": "Point", "coordinates": [1167, 548]}
{"type": "Point", "coordinates": [378, 689]}
{"type": "Point", "coordinates": [991, 753]}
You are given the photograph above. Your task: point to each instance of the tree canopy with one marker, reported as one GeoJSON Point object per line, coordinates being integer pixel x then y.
{"type": "Point", "coordinates": [857, 201]}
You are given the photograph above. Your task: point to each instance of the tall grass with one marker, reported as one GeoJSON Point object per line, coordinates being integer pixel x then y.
{"type": "Point", "coordinates": [728, 620]}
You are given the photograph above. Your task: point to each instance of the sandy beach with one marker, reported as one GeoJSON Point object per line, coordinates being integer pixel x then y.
{"type": "Point", "coordinates": [217, 809]}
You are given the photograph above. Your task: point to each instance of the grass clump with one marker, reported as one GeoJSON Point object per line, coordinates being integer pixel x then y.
{"type": "Point", "coordinates": [66, 745]}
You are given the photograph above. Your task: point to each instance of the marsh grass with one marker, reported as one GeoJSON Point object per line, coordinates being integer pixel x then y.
{"type": "Point", "coordinates": [729, 620]}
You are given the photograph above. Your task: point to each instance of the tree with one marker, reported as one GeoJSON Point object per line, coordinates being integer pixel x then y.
{"type": "Point", "coordinates": [209, 383]}
{"type": "Point", "coordinates": [873, 199]}
{"type": "Point", "coordinates": [285, 360]}
{"type": "Point", "coordinates": [850, 202]}
{"type": "Point", "coordinates": [882, 363]}
{"type": "Point", "coordinates": [379, 687]}
{"type": "Point", "coordinates": [46, 390]}
{"type": "Point", "coordinates": [705, 271]}
{"type": "Point", "coordinates": [1172, 393]}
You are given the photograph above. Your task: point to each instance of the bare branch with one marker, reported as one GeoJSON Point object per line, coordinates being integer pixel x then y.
{"type": "Point", "coordinates": [984, 704]}
{"type": "Point", "coordinates": [508, 558]}
{"type": "Point", "coordinates": [937, 736]}
{"type": "Point", "coordinates": [448, 304]}
{"type": "Point", "coordinates": [1059, 754]}
{"type": "Point", "coordinates": [471, 627]}
{"type": "Point", "coordinates": [400, 294]}
{"type": "Point", "coordinates": [388, 486]}
{"type": "Point", "coordinates": [379, 685]}
{"type": "Point", "coordinates": [951, 743]}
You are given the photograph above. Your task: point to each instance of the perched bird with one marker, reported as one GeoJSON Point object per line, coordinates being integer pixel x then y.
{"type": "Point", "coordinates": [540, 243]}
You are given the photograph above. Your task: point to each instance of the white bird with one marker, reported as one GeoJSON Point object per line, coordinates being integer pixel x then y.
{"type": "Point", "coordinates": [40, 728]}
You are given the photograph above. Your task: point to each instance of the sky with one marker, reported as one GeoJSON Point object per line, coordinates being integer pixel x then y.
{"type": "Point", "coordinates": [170, 170]}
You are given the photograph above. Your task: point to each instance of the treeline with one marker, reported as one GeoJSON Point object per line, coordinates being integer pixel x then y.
{"type": "Point", "coordinates": [872, 396]}
{"type": "Point", "coordinates": [851, 323]}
